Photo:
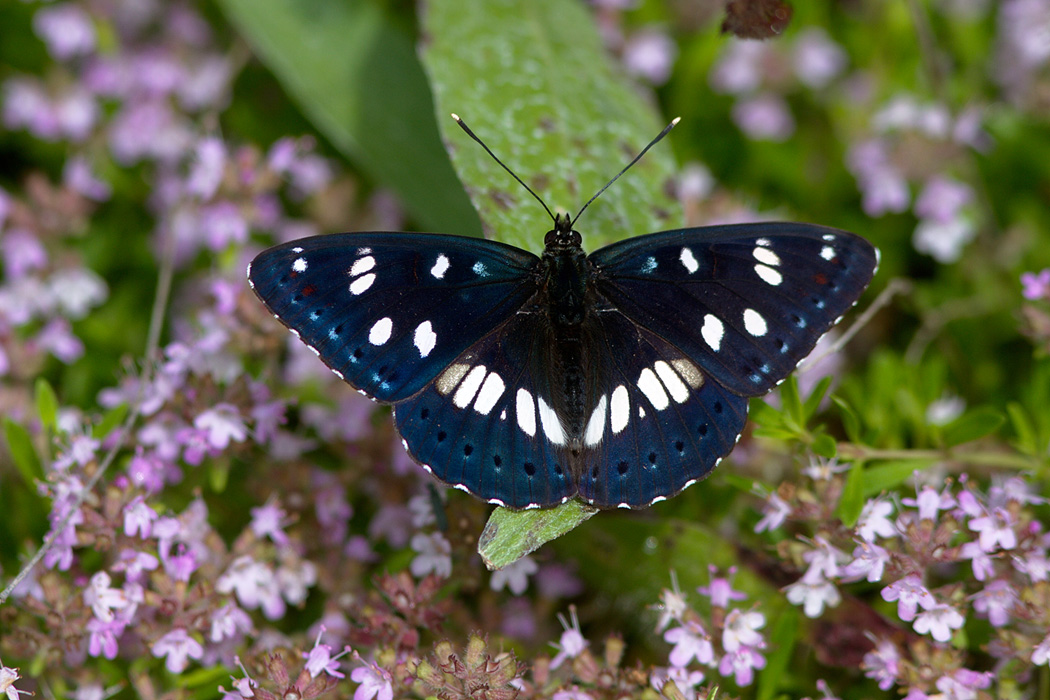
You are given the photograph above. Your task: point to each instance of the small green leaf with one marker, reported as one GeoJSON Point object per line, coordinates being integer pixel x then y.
{"type": "Point", "coordinates": [509, 534]}
{"type": "Point", "coordinates": [792, 401]}
{"type": "Point", "coordinates": [825, 446]}
{"type": "Point", "coordinates": [110, 421]}
{"type": "Point", "coordinates": [850, 422]}
{"type": "Point", "coordinates": [852, 501]}
{"type": "Point", "coordinates": [1026, 441]}
{"type": "Point", "coordinates": [46, 405]}
{"type": "Point", "coordinates": [20, 445]}
{"type": "Point", "coordinates": [812, 403]}
{"type": "Point", "coordinates": [782, 639]}
{"type": "Point", "coordinates": [972, 425]}
{"type": "Point", "coordinates": [738, 482]}
{"type": "Point", "coordinates": [884, 477]}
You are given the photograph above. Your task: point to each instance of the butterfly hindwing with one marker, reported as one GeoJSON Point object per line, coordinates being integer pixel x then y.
{"type": "Point", "coordinates": [746, 302]}
{"type": "Point", "coordinates": [389, 311]}
{"type": "Point", "coordinates": [656, 422]}
{"type": "Point", "coordinates": [485, 424]}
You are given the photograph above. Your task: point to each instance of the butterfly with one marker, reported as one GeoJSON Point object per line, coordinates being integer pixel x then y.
{"type": "Point", "coordinates": [618, 377]}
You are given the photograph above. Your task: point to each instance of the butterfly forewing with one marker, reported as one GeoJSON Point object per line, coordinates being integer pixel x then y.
{"type": "Point", "coordinates": [388, 312]}
{"type": "Point", "coordinates": [745, 302]}
{"type": "Point", "coordinates": [486, 424]}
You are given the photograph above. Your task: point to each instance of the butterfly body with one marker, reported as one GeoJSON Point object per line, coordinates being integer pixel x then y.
{"type": "Point", "coordinates": [619, 377]}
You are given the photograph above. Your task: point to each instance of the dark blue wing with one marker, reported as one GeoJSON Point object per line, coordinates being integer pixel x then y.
{"type": "Point", "coordinates": [486, 424]}
{"type": "Point", "coordinates": [655, 421]}
{"type": "Point", "coordinates": [745, 302]}
{"type": "Point", "coordinates": [388, 312]}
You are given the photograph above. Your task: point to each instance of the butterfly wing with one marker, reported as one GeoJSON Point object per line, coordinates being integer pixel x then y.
{"type": "Point", "coordinates": [745, 302]}
{"type": "Point", "coordinates": [388, 312]}
{"type": "Point", "coordinates": [656, 422]}
{"type": "Point", "coordinates": [486, 424]}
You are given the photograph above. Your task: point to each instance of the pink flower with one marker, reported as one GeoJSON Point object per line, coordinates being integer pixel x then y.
{"type": "Point", "coordinates": [741, 629]}
{"type": "Point", "coordinates": [742, 664]}
{"type": "Point", "coordinates": [996, 530]}
{"type": "Point", "coordinates": [963, 684]}
{"type": "Point", "coordinates": [996, 601]}
{"type": "Point", "coordinates": [869, 561]}
{"type": "Point", "coordinates": [228, 622]}
{"type": "Point", "coordinates": [690, 641]}
{"type": "Point", "coordinates": [514, 576]}
{"type": "Point", "coordinates": [764, 117]}
{"type": "Point", "coordinates": [650, 54]}
{"type": "Point", "coordinates": [672, 604]}
{"type": "Point", "coordinates": [813, 592]}
{"type": "Point", "coordinates": [572, 642]}
{"type": "Point", "coordinates": [982, 564]}
{"type": "Point", "coordinates": [816, 58]}
{"type": "Point", "coordinates": [320, 660]}
{"type": "Point", "coordinates": [1036, 284]}
{"type": "Point", "coordinates": [103, 599]}
{"type": "Point", "coordinates": [222, 424]}
{"type": "Point", "coordinates": [102, 637]}
{"type": "Point", "coordinates": [909, 594]}
{"type": "Point", "coordinates": [720, 591]}
{"type": "Point", "coordinates": [8, 676]}
{"type": "Point", "coordinates": [882, 664]}
{"type": "Point", "coordinates": [774, 514]}
{"type": "Point", "coordinates": [938, 621]}
{"type": "Point", "coordinates": [434, 555]}
{"type": "Point", "coordinates": [177, 647]}
{"type": "Point", "coordinates": [375, 683]}
{"type": "Point", "coordinates": [138, 518]}
{"type": "Point", "coordinates": [66, 29]}
{"type": "Point", "coordinates": [1041, 652]}
{"type": "Point", "coordinates": [267, 521]}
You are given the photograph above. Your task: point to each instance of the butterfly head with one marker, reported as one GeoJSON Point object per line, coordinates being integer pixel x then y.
{"type": "Point", "coordinates": [562, 236]}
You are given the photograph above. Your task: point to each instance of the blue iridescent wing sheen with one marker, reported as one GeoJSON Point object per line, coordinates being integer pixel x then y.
{"type": "Point", "coordinates": [745, 302]}
{"type": "Point", "coordinates": [486, 424]}
{"type": "Point", "coordinates": [388, 312]}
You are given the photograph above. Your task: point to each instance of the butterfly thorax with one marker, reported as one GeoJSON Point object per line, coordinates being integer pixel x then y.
{"type": "Point", "coordinates": [566, 291]}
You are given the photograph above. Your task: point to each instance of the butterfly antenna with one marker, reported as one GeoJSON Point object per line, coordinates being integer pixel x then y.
{"type": "Point", "coordinates": [628, 166]}
{"type": "Point", "coordinates": [471, 134]}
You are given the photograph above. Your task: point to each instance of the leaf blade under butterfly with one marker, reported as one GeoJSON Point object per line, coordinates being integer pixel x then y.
{"type": "Point", "coordinates": [507, 68]}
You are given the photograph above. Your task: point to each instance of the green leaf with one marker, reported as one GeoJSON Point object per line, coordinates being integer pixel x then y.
{"type": "Point", "coordinates": [356, 76]}
{"type": "Point", "coordinates": [509, 534]}
{"type": "Point", "coordinates": [884, 477]}
{"type": "Point", "coordinates": [46, 404]}
{"type": "Point", "coordinates": [825, 446]}
{"type": "Point", "coordinates": [812, 403]}
{"type": "Point", "coordinates": [782, 639]}
{"type": "Point", "coordinates": [972, 425]}
{"type": "Point", "coordinates": [111, 420]}
{"type": "Point", "coordinates": [20, 445]}
{"type": "Point", "coordinates": [792, 402]}
{"type": "Point", "coordinates": [1026, 440]}
{"type": "Point", "coordinates": [534, 82]}
{"type": "Point", "coordinates": [850, 422]}
{"type": "Point", "coordinates": [852, 501]}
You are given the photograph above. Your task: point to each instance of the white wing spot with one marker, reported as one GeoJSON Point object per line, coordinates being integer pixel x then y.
{"type": "Point", "coordinates": [829, 237]}
{"type": "Point", "coordinates": [297, 249]}
{"type": "Point", "coordinates": [675, 386]}
{"type": "Point", "coordinates": [503, 414]}
{"type": "Point", "coordinates": [424, 338]}
{"type": "Point", "coordinates": [491, 390]}
{"type": "Point", "coordinates": [769, 275]}
{"type": "Point", "coordinates": [364, 251]}
{"type": "Point", "coordinates": [650, 264]}
{"type": "Point", "coordinates": [827, 252]}
{"type": "Point", "coordinates": [380, 331]}
{"type": "Point", "coordinates": [299, 265]}
{"type": "Point", "coordinates": [763, 242]}
{"type": "Point", "coordinates": [362, 265]}
{"type": "Point", "coordinates": [765, 255]}
{"type": "Point", "coordinates": [465, 393]}
{"type": "Point", "coordinates": [620, 409]}
{"type": "Point", "coordinates": [479, 269]}
{"type": "Point", "coordinates": [689, 372]}
{"type": "Point", "coordinates": [449, 379]}
{"type": "Point", "coordinates": [712, 331]}
{"type": "Point", "coordinates": [754, 323]}
{"type": "Point", "coordinates": [689, 260]}
{"type": "Point", "coordinates": [592, 435]}
{"type": "Point", "coordinates": [525, 408]}
{"type": "Point", "coordinates": [440, 267]}
{"type": "Point", "coordinates": [653, 389]}
{"type": "Point", "coordinates": [550, 422]}
{"type": "Point", "coordinates": [641, 411]}
{"type": "Point", "coordinates": [361, 284]}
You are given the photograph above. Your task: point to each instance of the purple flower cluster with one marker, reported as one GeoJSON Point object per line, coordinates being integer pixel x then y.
{"type": "Point", "coordinates": [944, 557]}
{"type": "Point", "coordinates": [728, 639]}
